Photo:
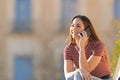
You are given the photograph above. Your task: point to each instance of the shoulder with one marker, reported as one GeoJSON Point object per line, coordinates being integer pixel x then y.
{"type": "Point", "coordinates": [97, 44]}
{"type": "Point", "coordinates": [69, 47]}
{"type": "Point", "coordinates": [68, 50]}
{"type": "Point", "coordinates": [99, 48]}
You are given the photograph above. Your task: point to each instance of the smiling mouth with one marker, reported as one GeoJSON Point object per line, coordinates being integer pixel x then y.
{"type": "Point", "coordinates": [74, 33]}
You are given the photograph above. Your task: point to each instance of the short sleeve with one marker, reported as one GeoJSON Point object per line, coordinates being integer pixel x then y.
{"type": "Point", "coordinates": [99, 49]}
{"type": "Point", "coordinates": [68, 53]}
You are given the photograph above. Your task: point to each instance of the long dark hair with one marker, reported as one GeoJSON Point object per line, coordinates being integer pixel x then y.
{"type": "Point", "coordinates": [87, 23]}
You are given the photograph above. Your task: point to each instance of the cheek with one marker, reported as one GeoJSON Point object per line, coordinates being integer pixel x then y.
{"type": "Point", "coordinates": [80, 30]}
{"type": "Point", "coordinates": [70, 29]}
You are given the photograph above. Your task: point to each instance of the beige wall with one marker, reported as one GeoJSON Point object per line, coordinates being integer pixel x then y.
{"type": "Point", "coordinates": [2, 41]}
{"type": "Point", "coordinates": [48, 41]}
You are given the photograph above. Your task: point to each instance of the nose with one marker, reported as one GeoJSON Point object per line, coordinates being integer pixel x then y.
{"type": "Point", "coordinates": [73, 28]}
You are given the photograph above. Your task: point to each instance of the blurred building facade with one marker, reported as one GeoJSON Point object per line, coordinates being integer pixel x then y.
{"type": "Point", "coordinates": [34, 33]}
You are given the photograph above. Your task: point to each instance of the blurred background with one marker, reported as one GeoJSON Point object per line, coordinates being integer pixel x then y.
{"type": "Point", "coordinates": [33, 34]}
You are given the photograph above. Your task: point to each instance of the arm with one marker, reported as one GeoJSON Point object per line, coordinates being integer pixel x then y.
{"type": "Point", "coordinates": [89, 64]}
{"type": "Point", "coordinates": [70, 72]}
{"type": "Point", "coordinates": [69, 68]}
{"type": "Point", "coordinates": [92, 61]}
{"type": "Point", "coordinates": [68, 62]}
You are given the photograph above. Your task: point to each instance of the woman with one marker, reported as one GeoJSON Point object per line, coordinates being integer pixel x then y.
{"type": "Point", "coordinates": [85, 58]}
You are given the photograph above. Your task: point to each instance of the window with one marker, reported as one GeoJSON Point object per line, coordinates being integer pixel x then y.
{"type": "Point", "coordinates": [117, 9]}
{"type": "Point", "coordinates": [22, 16]}
{"type": "Point", "coordinates": [23, 68]}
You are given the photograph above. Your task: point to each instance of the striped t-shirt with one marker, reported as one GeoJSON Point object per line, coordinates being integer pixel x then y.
{"type": "Point", "coordinates": [95, 48]}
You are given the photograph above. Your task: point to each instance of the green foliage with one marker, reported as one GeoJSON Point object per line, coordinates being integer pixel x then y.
{"type": "Point", "coordinates": [116, 54]}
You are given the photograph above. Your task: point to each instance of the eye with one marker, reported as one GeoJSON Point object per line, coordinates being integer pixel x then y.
{"type": "Point", "coordinates": [78, 25]}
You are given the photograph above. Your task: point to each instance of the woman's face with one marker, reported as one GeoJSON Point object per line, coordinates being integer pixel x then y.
{"type": "Point", "coordinates": [77, 26]}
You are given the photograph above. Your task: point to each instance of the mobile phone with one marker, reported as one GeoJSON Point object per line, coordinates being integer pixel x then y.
{"type": "Point", "coordinates": [88, 31]}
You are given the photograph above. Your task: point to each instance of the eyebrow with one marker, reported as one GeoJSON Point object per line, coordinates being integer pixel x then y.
{"type": "Point", "coordinates": [76, 24]}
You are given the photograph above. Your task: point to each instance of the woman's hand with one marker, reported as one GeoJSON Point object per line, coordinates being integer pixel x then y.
{"type": "Point", "coordinates": [85, 75]}
{"type": "Point", "coordinates": [83, 40]}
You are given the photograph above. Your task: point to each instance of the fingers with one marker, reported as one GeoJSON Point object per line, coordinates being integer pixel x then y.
{"type": "Point", "coordinates": [84, 33]}
{"type": "Point", "coordinates": [83, 38]}
{"type": "Point", "coordinates": [82, 76]}
{"type": "Point", "coordinates": [85, 75]}
{"type": "Point", "coordinates": [90, 77]}
{"type": "Point", "coordinates": [80, 34]}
